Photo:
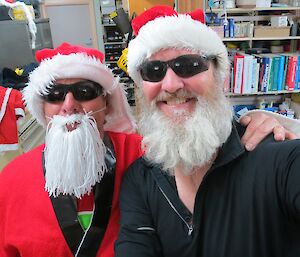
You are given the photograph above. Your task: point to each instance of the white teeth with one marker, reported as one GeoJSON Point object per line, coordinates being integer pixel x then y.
{"type": "Point", "coordinates": [176, 101]}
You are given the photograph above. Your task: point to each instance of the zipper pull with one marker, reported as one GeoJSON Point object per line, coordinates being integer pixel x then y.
{"type": "Point", "coordinates": [190, 230]}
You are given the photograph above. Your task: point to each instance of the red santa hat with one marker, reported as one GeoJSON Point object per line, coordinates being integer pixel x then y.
{"type": "Point", "coordinates": [68, 61]}
{"type": "Point", "coordinates": [161, 27]}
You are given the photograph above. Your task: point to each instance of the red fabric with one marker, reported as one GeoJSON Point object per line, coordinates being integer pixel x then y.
{"type": "Point", "coordinates": [8, 125]}
{"type": "Point", "coordinates": [161, 11]}
{"type": "Point", "coordinates": [86, 203]}
{"type": "Point", "coordinates": [197, 15]}
{"type": "Point", "coordinates": [66, 49]}
{"type": "Point", "coordinates": [150, 15]}
{"type": "Point", "coordinates": [28, 224]}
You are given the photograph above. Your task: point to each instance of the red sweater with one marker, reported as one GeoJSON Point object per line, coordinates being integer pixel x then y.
{"type": "Point", "coordinates": [28, 224]}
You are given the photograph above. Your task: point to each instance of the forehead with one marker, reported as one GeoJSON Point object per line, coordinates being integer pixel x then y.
{"type": "Point", "coordinates": [170, 53]}
{"type": "Point", "coordinates": [68, 81]}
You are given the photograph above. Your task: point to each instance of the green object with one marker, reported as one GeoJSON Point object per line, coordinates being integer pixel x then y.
{"type": "Point", "coordinates": [85, 219]}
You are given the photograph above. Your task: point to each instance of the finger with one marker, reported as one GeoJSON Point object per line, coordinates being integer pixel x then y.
{"type": "Point", "coordinates": [289, 135]}
{"type": "Point", "coordinates": [251, 130]}
{"type": "Point", "coordinates": [245, 120]}
{"type": "Point", "coordinates": [259, 133]}
{"type": "Point", "coordinates": [279, 133]}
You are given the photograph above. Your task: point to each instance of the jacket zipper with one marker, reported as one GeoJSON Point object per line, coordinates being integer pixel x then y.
{"type": "Point", "coordinates": [190, 227]}
{"type": "Point", "coordinates": [85, 233]}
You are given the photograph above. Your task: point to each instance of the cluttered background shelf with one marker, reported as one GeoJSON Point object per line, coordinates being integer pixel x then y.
{"type": "Point", "coordinates": [262, 38]}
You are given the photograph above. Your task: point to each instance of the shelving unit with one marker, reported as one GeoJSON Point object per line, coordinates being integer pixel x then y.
{"type": "Point", "coordinates": [114, 43]}
{"type": "Point", "coordinates": [282, 92]}
{"type": "Point", "coordinates": [254, 9]}
{"type": "Point", "coordinates": [256, 17]}
{"type": "Point", "coordinates": [260, 39]}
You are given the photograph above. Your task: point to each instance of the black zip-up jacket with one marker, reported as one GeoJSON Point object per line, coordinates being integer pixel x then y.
{"type": "Point", "coordinates": [248, 205]}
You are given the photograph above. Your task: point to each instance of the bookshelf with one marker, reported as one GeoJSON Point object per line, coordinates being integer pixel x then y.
{"type": "Point", "coordinates": [281, 92]}
{"type": "Point", "coordinates": [256, 17]}
{"type": "Point", "coordinates": [260, 39]}
{"type": "Point", "coordinates": [282, 39]}
{"type": "Point", "coordinates": [254, 9]}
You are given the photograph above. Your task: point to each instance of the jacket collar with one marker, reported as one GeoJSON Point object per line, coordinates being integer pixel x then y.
{"type": "Point", "coordinates": [230, 150]}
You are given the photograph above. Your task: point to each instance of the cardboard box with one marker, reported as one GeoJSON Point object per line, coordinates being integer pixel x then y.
{"type": "Point", "coordinates": [269, 31]}
{"type": "Point", "coordinates": [279, 21]}
{"type": "Point", "coordinates": [219, 30]}
{"type": "Point", "coordinates": [263, 3]}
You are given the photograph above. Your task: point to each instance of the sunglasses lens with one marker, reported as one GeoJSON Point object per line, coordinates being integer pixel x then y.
{"type": "Point", "coordinates": [86, 91]}
{"type": "Point", "coordinates": [189, 65]}
{"type": "Point", "coordinates": [82, 91]}
{"type": "Point", "coordinates": [56, 94]}
{"type": "Point", "coordinates": [184, 66]}
{"type": "Point", "coordinates": [153, 71]}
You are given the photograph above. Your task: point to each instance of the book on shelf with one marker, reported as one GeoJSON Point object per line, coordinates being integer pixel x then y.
{"type": "Point", "coordinates": [275, 69]}
{"type": "Point", "coordinates": [292, 59]}
{"type": "Point", "coordinates": [297, 77]}
{"type": "Point", "coordinates": [247, 74]}
{"type": "Point", "coordinates": [264, 73]}
{"type": "Point", "coordinates": [281, 72]}
{"type": "Point", "coordinates": [285, 71]}
{"type": "Point", "coordinates": [255, 79]}
{"type": "Point", "coordinates": [238, 73]}
{"type": "Point", "coordinates": [246, 86]}
{"type": "Point", "coordinates": [275, 82]}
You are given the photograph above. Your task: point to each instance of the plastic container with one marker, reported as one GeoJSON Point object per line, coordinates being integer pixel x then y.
{"type": "Point", "coordinates": [246, 3]}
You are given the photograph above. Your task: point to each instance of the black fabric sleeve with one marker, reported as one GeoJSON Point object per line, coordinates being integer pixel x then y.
{"type": "Point", "coordinates": [137, 235]}
{"type": "Point", "coordinates": [240, 129]}
{"type": "Point", "coordinates": [290, 182]}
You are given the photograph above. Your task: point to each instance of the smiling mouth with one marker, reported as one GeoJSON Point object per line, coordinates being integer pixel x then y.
{"type": "Point", "coordinates": [176, 101]}
{"type": "Point", "coordinates": [72, 126]}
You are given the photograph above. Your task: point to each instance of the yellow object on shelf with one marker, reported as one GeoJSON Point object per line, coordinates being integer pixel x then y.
{"type": "Point", "coordinates": [19, 71]}
{"type": "Point", "coordinates": [231, 45]}
{"type": "Point", "coordinates": [296, 98]}
{"type": "Point", "coordinates": [122, 62]}
{"type": "Point", "coordinates": [113, 15]}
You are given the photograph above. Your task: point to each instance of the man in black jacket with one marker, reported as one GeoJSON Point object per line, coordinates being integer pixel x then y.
{"type": "Point", "coordinates": [197, 191]}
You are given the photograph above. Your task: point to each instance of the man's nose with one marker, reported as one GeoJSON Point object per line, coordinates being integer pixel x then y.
{"type": "Point", "coordinates": [171, 82]}
{"type": "Point", "coordinates": [70, 105]}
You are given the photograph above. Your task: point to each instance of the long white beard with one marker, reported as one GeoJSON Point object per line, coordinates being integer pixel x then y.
{"type": "Point", "coordinates": [190, 143]}
{"type": "Point", "coordinates": [74, 160]}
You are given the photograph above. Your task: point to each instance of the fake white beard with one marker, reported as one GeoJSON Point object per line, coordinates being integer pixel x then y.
{"type": "Point", "coordinates": [74, 160]}
{"type": "Point", "coordinates": [190, 143]}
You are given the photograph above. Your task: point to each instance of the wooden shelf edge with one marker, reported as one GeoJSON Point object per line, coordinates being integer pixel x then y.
{"type": "Point", "coordinates": [245, 10]}
{"type": "Point", "coordinates": [264, 93]}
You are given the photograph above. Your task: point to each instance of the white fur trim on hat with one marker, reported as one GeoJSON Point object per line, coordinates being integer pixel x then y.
{"type": "Point", "coordinates": [175, 32]}
{"type": "Point", "coordinates": [83, 66]}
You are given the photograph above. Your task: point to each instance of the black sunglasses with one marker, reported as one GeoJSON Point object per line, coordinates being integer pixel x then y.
{"type": "Point", "coordinates": [184, 66]}
{"type": "Point", "coordinates": [82, 91]}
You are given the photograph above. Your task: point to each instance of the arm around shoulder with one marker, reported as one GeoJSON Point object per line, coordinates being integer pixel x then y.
{"type": "Point", "coordinates": [292, 125]}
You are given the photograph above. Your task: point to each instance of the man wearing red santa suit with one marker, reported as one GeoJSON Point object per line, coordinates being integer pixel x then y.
{"type": "Point", "coordinates": [61, 199]}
